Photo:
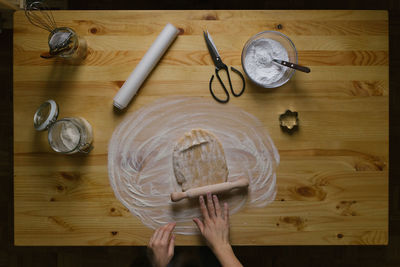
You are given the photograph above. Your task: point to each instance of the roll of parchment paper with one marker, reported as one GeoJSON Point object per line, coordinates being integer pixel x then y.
{"type": "Point", "coordinates": [145, 66]}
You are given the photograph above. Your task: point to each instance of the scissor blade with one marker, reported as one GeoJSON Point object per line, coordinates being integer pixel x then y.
{"type": "Point", "coordinates": [211, 48]}
{"type": "Point", "coordinates": [212, 43]}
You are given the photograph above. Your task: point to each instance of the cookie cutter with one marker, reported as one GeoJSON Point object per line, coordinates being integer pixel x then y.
{"type": "Point", "coordinates": [289, 121]}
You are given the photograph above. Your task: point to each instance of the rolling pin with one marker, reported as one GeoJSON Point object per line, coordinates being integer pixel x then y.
{"type": "Point", "coordinates": [145, 66]}
{"type": "Point", "coordinates": [213, 189]}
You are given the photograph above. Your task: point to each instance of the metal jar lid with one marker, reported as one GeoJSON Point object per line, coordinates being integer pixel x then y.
{"type": "Point", "coordinates": [45, 115]}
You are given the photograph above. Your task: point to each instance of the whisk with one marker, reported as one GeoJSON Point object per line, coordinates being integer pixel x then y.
{"type": "Point", "coordinates": [39, 14]}
{"type": "Point", "coordinates": [60, 39]}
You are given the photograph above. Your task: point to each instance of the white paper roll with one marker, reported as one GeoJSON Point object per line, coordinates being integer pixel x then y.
{"type": "Point", "coordinates": [145, 66]}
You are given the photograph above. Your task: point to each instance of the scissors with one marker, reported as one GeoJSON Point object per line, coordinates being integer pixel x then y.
{"type": "Point", "coordinates": [219, 65]}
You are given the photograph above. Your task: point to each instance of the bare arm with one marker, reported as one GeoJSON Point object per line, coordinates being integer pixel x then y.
{"type": "Point", "coordinates": [215, 229]}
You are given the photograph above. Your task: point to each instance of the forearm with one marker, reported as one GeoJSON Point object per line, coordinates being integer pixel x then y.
{"type": "Point", "coordinates": [226, 257]}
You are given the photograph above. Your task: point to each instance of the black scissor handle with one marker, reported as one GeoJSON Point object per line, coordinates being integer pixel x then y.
{"type": "Point", "coordinates": [222, 84]}
{"type": "Point", "coordinates": [215, 97]}
{"type": "Point", "coordinates": [224, 67]}
{"type": "Point", "coordinates": [244, 84]}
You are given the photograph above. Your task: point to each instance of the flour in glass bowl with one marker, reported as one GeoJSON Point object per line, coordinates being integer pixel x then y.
{"type": "Point", "coordinates": [258, 61]}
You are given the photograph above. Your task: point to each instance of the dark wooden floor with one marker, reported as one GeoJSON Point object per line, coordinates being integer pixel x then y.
{"type": "Point", "coordinates": [250, 256]}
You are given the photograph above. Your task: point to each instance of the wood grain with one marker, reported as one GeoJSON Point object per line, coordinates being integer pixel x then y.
{"type": "Point", "coordinates": [201, 57]}
{"type": "Point", "coordinates": [333, 177]}
{"type": "Point", "coordinates": [226, 42]}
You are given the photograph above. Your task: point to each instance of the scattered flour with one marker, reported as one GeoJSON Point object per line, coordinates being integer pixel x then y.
{"type": "Point", "coordinates": [258, 61]}
{"type": "Point", "coordinates": [140, 159]}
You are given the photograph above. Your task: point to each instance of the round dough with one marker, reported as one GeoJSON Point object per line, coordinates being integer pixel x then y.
{"type": "Point", "coordinates": [198, 160]}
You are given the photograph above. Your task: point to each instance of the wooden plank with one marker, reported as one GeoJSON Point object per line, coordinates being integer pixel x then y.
{"type": "Point", "coordinates": [196, 27]}
{"type": "Point", "coordinates": [201, 57]}
{"type": "Point", "coordinates": [226, 42]}
{"type": "Point", "coordinates": [64, 187]}
{"type": "Point", "coordinates": [333, 177]}
{"type": "Point", "coordinates": [226, 15]}
{"type": "Point", "coordinates": [332, 89]}
{"type": "Point", "coordinates": [178, 73]}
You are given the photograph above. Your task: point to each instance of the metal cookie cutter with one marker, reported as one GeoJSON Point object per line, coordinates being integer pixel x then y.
{"type": "Point", "coordinates": [289, 121]}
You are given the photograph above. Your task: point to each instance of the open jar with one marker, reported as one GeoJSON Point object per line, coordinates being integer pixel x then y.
{"type": "Point", "coordinates": [67, 135]}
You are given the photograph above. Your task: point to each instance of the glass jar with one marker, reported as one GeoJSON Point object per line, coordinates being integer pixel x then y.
{"type": "Point", "coordinates": [64, 42]}
{"type": "Point", "coordinates": [67, 135]}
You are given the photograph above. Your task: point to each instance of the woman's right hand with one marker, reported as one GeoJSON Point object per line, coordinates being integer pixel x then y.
{"type": "Point", "coordinates": [215, 227]}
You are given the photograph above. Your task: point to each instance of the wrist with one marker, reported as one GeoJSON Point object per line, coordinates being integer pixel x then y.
{"type": "Point", "coordinates": [222, 250]}
{"type": "Point", "coordinates": [227, 257]}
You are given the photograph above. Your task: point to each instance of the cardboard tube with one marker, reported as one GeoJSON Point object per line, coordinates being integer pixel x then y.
{"type": "Point", "coordinates": [145, 66]}
{"type": "Point", "coordinates": [213, 189]}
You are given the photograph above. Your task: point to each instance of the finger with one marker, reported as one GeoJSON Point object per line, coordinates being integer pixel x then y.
{"type": "Point", "coordinates": [171, 245]}
{"type": "Point", "coordinates": [217, 206]}
{"type": "Point", "coordinates": [167, 231]}
{"type": "Point", "coordinates": [151, 240]}
{"type": "Point", "coordinates": [158, 233]}
{"type": "Point", "coordinates": [199, 224]}
{"type": "Point", "coordinates": [226, 212]}
{"type": "Point", "coordinates": [210, 206]}
{"type": "Point", "coordinates": [203, 208]}
{"type": "Point", "coordinates": [153, 237]}
{"type": "Point", "coordinates": [162, 232]}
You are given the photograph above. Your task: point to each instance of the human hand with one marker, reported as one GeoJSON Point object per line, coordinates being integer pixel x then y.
{"type": "Point", "coordinates": [215, 227]}
{"type": "Point", "coordinates": [161, 245]}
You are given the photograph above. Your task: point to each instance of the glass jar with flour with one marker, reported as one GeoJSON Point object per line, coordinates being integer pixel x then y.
{"type": "Point", "coordinates": [67, 135]}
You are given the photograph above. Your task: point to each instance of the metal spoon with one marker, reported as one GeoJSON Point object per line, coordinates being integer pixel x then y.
{"type": "Point", "coordinates": [292, 65]}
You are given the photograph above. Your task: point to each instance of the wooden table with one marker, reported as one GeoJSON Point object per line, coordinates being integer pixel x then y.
{"type": "Point", "coordinates": [333, 176]}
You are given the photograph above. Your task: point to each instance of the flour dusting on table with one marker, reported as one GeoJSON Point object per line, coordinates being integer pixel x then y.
{"type": "Point", "coordinates": [140, 159]}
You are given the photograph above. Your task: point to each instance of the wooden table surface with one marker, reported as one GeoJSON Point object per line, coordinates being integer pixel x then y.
{"type": "Point", "coordinates": [333, 177]}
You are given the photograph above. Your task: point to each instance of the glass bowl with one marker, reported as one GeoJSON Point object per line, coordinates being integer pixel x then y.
{"type": "Point", "coordinates": [286, 43]}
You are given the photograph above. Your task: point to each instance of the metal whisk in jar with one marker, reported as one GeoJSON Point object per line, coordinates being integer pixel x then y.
{"type": "Point", "coordinates": [67, 135]}
{"type": "Point", "coordinates": [63, 41]}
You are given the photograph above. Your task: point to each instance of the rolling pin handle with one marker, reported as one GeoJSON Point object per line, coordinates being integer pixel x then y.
{"type": "Point", "coordinates": [176, 196]}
